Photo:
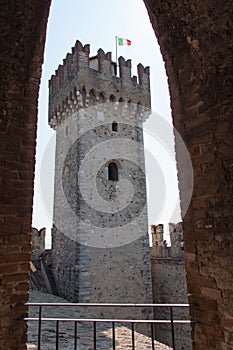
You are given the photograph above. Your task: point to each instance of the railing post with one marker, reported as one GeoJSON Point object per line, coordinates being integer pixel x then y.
{"type": "Point", "coordinates": [75, 336]}
{"type": "Point", "coordinates": [133, 339]}
{"type": "Point", "coordinates": [154, 324]}
{"type": "Point", "coordinates": [39, 327]}
{"type": "Point", "coordinates": [110, 321]}
{"type": "Point", "coordinates": [57, 335]}
{"type": "Point", "coordinates": [152, 336]}
{"type": "Point", "coordinates": [172, 326]}
{"type": "Point", "coordinates": [94, 335]}
{"type": "Point", "coordinates": [113, 336]}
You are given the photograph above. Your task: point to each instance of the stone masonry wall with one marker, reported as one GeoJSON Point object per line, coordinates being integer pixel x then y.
{"type": "Point", "coordinates": [63, 266]}
{"type": "Point", "coordinates": [100, 246]}
{"type": "Point", "coordinates": [169, 286]}
{"type": "Point", "coordinates": [176, 248]}
{"type": "Point", "coordinates": [22, 32]}
{"type": "Point", "coordinates": [169, 283]}
{"type": "Point", "coordinates": [104, 275]}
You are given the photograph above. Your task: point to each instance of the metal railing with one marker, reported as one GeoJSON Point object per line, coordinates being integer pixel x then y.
{"type": "Point", "coordinates": [111, 322]}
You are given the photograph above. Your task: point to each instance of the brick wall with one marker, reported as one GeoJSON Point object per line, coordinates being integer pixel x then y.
{"type": "Point", "coordinates": [23, 25]}
{"type": "Point", "coordinates": [196, 44]}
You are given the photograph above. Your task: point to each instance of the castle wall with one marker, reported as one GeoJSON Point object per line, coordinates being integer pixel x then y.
{"type": "Point", "coordinates": [169, 283]}
{"type": "Point", "coordinates": [176, 248]}
{"type": "Point", "coordinates": [169, 286]}
{"type": "Point", "coordinates": [88, 274]}
{"type": "Point", "coordinates": [64, 267]}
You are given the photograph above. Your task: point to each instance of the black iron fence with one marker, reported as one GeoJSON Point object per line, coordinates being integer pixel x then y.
{"type": "Point", "coordinates": [111, 322]}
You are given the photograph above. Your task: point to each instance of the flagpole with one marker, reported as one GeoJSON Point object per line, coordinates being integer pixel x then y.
{"type": "Point", "coordinates": [116, 54]}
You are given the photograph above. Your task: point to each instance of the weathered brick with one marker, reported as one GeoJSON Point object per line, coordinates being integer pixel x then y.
{"type": "Point", "coordinates": [11, 258]}
{"type": "Point", "coordinates": [201, 281]}
{"type": "Point", "coordinates": [9, 268]}
{"type": "Point", "coordinates": [15, 278]}
{"type": "Point", "coordinates": [18, 106]}
{"type": "Point", "coordinates": [205, 118]}
{"type": "Point", "coordinates": [212, 293]}
{"type": "Point", "coordinates": [203, 303]}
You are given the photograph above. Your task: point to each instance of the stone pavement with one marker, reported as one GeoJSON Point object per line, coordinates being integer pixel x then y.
{"type": "Point", "coordinates": [84, 330]}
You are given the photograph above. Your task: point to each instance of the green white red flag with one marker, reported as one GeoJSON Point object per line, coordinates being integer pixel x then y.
{"type": "Point", "coordinates": [122, 41]}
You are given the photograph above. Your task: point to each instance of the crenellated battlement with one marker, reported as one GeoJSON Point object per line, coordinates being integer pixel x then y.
{"type": "Point", "coordinates": [82, 78]}
{"type": "Point", "coordinates": [159, 249]}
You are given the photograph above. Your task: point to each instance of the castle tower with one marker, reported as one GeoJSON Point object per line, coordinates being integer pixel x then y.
{"type": "Point", "coordinates": [100, 244]}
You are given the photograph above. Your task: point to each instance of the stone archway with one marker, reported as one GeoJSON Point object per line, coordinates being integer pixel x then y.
{"type": "Point", "coordinates": [23, 29]}
{"type": "Point", "coordinates": [195, 40]}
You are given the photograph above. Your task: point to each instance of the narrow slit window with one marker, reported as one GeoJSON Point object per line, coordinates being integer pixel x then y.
{"type": "Point", "coordinates": [112, 172]}
{"type": "Point", "coordinates": [115, 126]}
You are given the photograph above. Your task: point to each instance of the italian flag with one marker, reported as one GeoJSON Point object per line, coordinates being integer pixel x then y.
{"type": "Point", "coordinates": [122, 42]}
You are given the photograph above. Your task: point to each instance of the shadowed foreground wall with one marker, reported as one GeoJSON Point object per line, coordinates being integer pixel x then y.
{"type": "Point", "coordinates": [196, 42]}
{"type": "Point", "coordinates": [23, 26]}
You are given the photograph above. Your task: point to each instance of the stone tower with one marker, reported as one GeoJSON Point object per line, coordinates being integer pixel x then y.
{"type": "Point", "coordinates": [100, 244]}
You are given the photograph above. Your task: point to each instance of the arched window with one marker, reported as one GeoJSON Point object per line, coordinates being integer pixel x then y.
{"type": "Point", "coordinates": [112, 172]}
{"type": "Point", "coordinates": [101, 98]}
{"type": "Point", "coordinates": [112, 98]}
{"type": "Point", "coordinates": [115, 126]}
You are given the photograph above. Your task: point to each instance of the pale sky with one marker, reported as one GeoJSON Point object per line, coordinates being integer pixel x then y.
{"type": "Point", "coordinates": [97, 24]}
